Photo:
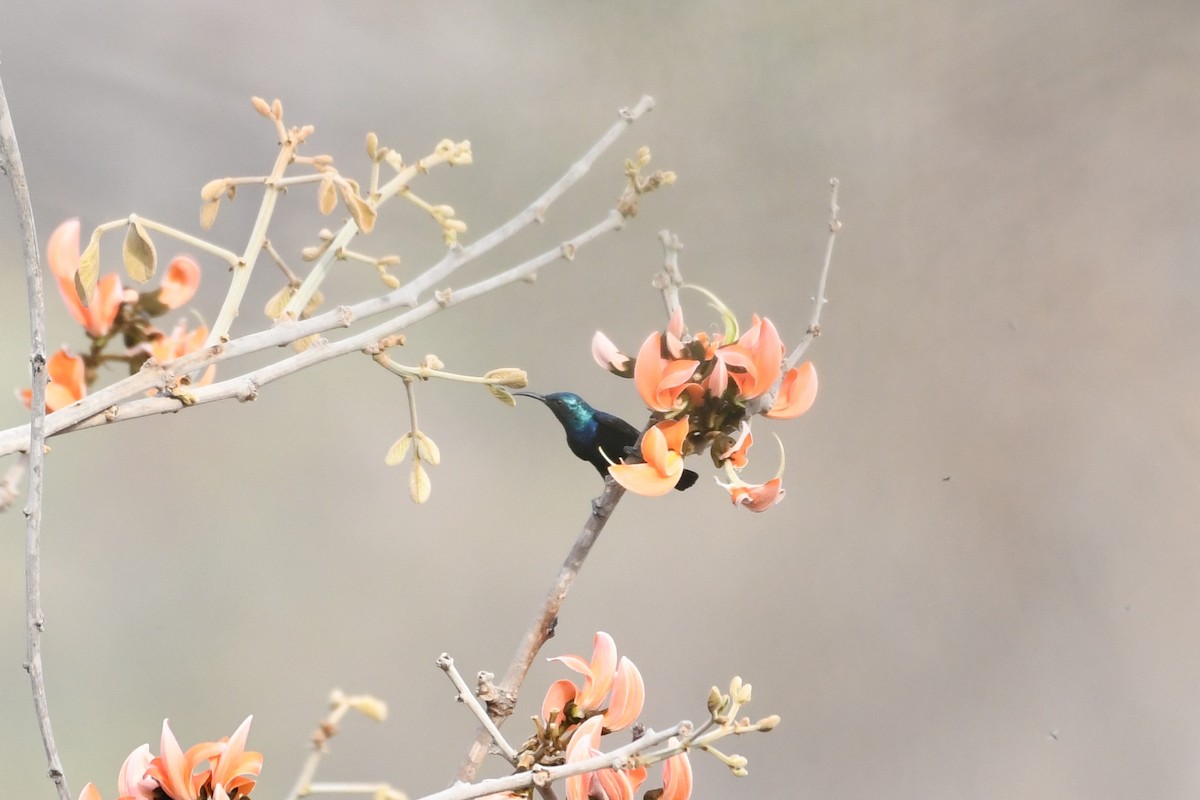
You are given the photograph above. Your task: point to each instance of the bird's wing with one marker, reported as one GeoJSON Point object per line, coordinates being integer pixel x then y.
{"type": "Point", "coordinates": [614, 435]}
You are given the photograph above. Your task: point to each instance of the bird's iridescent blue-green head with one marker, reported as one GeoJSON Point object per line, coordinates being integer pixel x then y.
{"type": "Point", "coordinates": [570, 409]}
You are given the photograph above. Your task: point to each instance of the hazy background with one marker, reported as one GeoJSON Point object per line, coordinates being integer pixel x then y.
{"type": "Point", "coordinates": [985, 580]}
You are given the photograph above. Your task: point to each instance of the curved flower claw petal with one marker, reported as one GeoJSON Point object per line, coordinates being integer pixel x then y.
{"type": "Point", "coordinates": [738, 452]}
{"type": "Point", "coordinates": [90, 792]}
{"type": "Point", "coordinates": [756, 497]}
{"type": "Point", "coordinates": [796, 393]}
{"type": "Point", "coordinates": [180, 283]}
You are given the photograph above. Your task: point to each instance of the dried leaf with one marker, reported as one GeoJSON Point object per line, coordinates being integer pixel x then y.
{"type": "Point", "coordinates": [277, 303]}
{"type": "Point", "coordinates": [326, 195]}
{"type": "Point", "coordinates": [208, 213]}
{"type": "Point", "coordinates": [398, 451]}
{"type": "Point", "coordinates": [511, 377]}
{"type": "Point", "coordinates": [427, 451]}
{"type": "Point", "coordinates": [419, 486]}
{"type": "Point", "coordinates": [140, 257]}
{"type": "Point", "coordinates": [501, 394]}
{"type": "Point", "coordinates": [213, 190]}
{"type": "Point", "coordinates": [89, 269]}
{"type": "Point", "coordinates": [360, 210]}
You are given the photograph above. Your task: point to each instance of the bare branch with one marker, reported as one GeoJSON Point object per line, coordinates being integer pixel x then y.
{"type": "Point", "coordinates": [542, 627]}
{"type": "Point", "coordinates": [467, 697]}
{"type": "Point", "coordinates": [621, 758]}
{"type": "Point", "coordinates": [814, 324]}
{"type": "Point", "coordinates": [10, 163]}
{"type": "Point", "coordinates": [104, 406]}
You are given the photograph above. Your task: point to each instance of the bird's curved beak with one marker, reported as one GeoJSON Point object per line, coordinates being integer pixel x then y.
{"type": "Point", "coordinates": [534, 395]}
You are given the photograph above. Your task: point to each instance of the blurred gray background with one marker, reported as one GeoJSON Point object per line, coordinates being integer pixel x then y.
{"type": "Point", "coordinates": [985, 579]}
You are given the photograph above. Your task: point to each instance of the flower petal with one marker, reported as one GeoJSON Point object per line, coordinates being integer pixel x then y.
{"type": "Point", "coordinates": [645, 480]}
{"type": "Point", "coordinates": [608, 356]}
{"type": "Point", "coordinates": [558, 696]}
{"type": "Point", "coordinates": [628, 697]}
{"type": "Point", "coordinates": [677, 778]}
{"type": "Point", "coordinates": [604, 667]}
{"type": "Point", "coordinates": [235, 767]}
{"type": "Point", "coordinates": [132, 780]}
{"type": "Point", "coordinates": [90, 792]}
{"type": "Point", "coordinates": [796, 393]}
{"type": "Point", "coordinates": [62, 251]}
{"type": "Point", "coordinates": [585, 739]}
{"type": "Point", "coordinates": [180, 283]}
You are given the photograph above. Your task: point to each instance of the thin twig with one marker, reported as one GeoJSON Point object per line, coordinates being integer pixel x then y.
{"type": "Point", "coordinates": [10, 163]}
{"type": "Point", "coordinates": [542, 627]}
{"type": "Point", "coordinates": [325, 730]}
{"type": "Point", "coordinates": [670, 279]}
{"type": "Point", "coordinates": [814, 324]}
{"type": "Point", "coordinates": [467, 697]}
{"type": "Point", "coordinates": [105, 402]}
{"type": "Point", "coordinates": [621, 758]}
{"type": "Point", "coordinates": [109, 404]}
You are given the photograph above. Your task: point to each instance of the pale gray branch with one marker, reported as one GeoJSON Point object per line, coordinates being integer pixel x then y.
{"type": "Point", "coordinates": [10, 163]}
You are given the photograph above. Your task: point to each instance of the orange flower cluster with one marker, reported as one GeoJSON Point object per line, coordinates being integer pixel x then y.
{"type": "Point", "coordinates": [114, 310]}
{"type": "Point", "coordinates": [580, 712]}
{"type": "Point", "coordinates": [176, 775]}
{"type": "Point", "coordinates": [705, 389]}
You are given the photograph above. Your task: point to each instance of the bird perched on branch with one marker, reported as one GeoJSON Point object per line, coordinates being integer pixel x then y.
{"type": "Point", "coordinates": [592, 435]}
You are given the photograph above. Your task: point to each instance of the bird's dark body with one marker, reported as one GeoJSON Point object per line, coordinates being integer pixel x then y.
{"type": "Point", "coordinates": [594, 434]}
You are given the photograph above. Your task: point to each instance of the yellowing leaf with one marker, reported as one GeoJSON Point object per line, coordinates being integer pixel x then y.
{"type": "Point", "coordinates": [89, 269]}
{"type": "Point", "coordinates": [398, 451]}
{"type": "Point", "coordinates": [208, 213]}
{"type": "Point", "coordinates": [427, 450]}
{"type": "Point", "coordinates": [326, 195]}
{"type": "Point", "coordinates": [501, 394]}
{"type": "Point", "coordinates": [140, 257]}
{"type": "Point", "coordinates": [278, 302]}
{"type": "Point", "coordinates": [419, 486]}
{"type": "Point", "coordinates": [362, 212]}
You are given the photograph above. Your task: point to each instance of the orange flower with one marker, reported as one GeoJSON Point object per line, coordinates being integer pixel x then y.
{"type": "Point", "coordinates": [180, 283]}
{"type": "Point", "coordinates": [796, 393]}
{"type": "Point", "coordinates": [756, 497]}
{"type": "Point", "coordinates": [179, 343]}
{"type": "Point", "coordinates": [765, 349]}
{"type": "Point", "coordinates": [662, 452]}
{"type": "Point", "coordinates": [232, 770]}
{"type": "Point", "coordinates": [602, 674]}
{"type": "Point", "coordinates": [584, 744]}
{"type": "Point", "coordinates": [660, 380]}
{"type": "Point", "coordinates": [173, 774]}
{"type": "Point", "coordinates": [62, 253]}
{"type": "Point", "coordinates": [66, 373]}
{"type": "Point", "coordinates": [677, 778]}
